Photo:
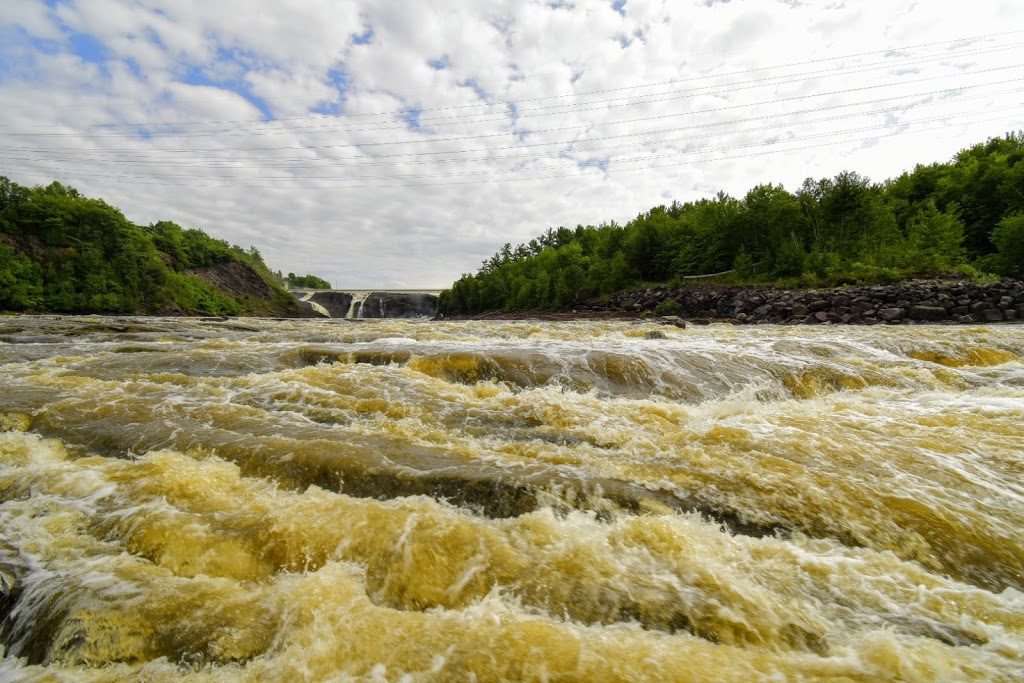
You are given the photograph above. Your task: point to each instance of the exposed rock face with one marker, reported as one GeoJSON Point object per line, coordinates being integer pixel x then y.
{"type": "Point", "coordinates": [917, 301]}
{"type": "Point", "coordinates": [370, 304]}
{"type": "Point", "coordinates": [235, 278]}
{"type": "Point", "coordinates": [239, 280]}
{"type": "Point", "coordinates": [399, 305]}
{"type": "Point", "coordinates": [337, 304]}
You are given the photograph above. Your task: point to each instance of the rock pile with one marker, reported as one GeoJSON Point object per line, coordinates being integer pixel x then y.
{"type": "Point", "coordinates": [916, 301]}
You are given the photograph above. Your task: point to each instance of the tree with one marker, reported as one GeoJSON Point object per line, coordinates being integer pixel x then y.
{"type": "Point", "coordinates": [935, 238]}
{"type": "Point", "coordinates": [1008, 238]}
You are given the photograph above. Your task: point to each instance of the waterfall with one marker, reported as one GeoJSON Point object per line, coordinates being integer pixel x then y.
{"type": "Point", "coordinates": [316, 307]}
{"type": "Point", "coordinates": [355, 308]}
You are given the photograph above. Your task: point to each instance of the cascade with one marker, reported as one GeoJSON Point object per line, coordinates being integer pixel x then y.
{"type": "Point", "coordinates": [316, 307]}
{"type": "Point", "coordinates": [355, 308]}
{"type": "Point", "coordinates": [362, 304]}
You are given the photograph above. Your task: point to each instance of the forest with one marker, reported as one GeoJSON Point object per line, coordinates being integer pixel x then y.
{"type": "Point", "coordinates": [964, 216]}
{"type": "Point", "coordinates": [63, 252]}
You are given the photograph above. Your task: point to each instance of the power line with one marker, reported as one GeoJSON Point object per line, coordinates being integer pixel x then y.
{"type": "Point", "coordinates": [127, 179]}
{"type": "Point", "coordinates": [607, 123]}
{"type": "Point", "coordinates": [582, 94]}
{"type": "Point", "coordinates": [151, 156]}
{"type": "Point", "coordinates": [535, 155]}
{"type": "Point", "coordinates": [572, 108]}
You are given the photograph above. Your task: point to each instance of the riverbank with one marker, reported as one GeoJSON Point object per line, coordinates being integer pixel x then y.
{"type": "Point", "coordinates": [916, 301]}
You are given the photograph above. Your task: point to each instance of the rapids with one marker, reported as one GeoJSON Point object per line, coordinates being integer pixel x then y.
{"type": "Point", "coordinates": [256, 500]}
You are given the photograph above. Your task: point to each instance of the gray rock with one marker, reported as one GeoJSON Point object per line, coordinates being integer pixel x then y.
{"type": "Point", "coordinates": [819, 305]}
{"type": "Point", "coordinates": [891, 314]}
{"type": "Point", "coordinates": [672, 320]}
{"type": "Point", "coordinates": [979, 306]}
{"type": "Point", "coordinates": [932, 313]}
{"type": "Point", "coordinates": [992, 315]}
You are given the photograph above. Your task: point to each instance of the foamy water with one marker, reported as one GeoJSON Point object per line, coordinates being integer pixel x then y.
{"type": "Point", "coordinates": [253, 500]}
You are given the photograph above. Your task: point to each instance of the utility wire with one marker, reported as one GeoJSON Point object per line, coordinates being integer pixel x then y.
{"type": "Point", "coordinates": [572, 108]}
{"type": "Point", "coordinates": [128, 179]}
{"type": "Point", "coordinates": [151, 156]}
{"type": "Point", "coordinates": [608, 123]}
{"type": "Point", "coordinates": [223, 164]}
{"type": "Point", "coordinates": [586, 93]}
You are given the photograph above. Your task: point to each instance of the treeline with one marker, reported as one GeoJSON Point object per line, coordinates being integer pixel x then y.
{"type": "Point", "coordinates": [304, 281]}
{"type": "Point", "coordinates": [965, 215]}
{"type": "Point", "coordinates": [63, 252]}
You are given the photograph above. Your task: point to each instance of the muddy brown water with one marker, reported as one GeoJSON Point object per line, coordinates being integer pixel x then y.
{"type": "Point", "coordinates": [251, 500]}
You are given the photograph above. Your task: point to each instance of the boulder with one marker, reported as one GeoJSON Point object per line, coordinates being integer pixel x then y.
{"type": "Point", "coordinates": [931, 313]}
{"type": "Point", "coordinates": [992, 315]}
{"type": "Point", "coordinates": [891, 314]}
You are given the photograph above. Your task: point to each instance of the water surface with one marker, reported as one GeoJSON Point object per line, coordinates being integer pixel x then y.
{"type": "Point", "coordinates": [250, 500]}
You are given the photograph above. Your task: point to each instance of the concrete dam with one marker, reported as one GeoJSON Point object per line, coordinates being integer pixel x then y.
{"type": "Point", "coordinates": [360, 304]}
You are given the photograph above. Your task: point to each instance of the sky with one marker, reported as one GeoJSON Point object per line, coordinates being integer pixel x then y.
{"type": "Point", "coordinates": [398, 144]}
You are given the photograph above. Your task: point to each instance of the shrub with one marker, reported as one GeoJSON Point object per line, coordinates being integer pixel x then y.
{"type": "Point", "coordinates": [668, 307]}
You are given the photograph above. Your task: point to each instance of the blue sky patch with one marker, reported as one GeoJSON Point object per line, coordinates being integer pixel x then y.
{"type": "Point", "coordinates": [440, 63]}
{"type": "Point", "coordinates": [135, 68]}
{"type": "Point", "coordinates": [89, 48]}
{"type": "Point", "coordinates": [411, 117]}
{"type": "Point", "coordinates": [475, 87]}
{"type": "Point", "coordinates": [199, 75]}
{"type": "Point", "coordinates": [339, 79]}
{"type": "Point", "coordinates": [364, 38]}
{"type": "Point", "coordinates": [619, 6]}
{"type": "Point", "coordinates": [598, 163]}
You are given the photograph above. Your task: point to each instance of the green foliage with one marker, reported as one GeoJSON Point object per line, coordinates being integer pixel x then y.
{"type": "Point", "coordinates": [935, 238]}
{"type": "Point", "coordinates": [192, 295]}
{"type": "Point", "coordinates": [790, 257]}
{"type": "Point", "coordinates": [1008, 237]}
{"type": "Point", "coordinates": [62, 252]}
{"type": "Point", "coordinates": [307, 281]}
{"type": "Point", "coordinates": [831, 231]}
{"type": "Point", "coordinates": [743, 264]}
{"type": "Point", "coordinates": [668, 307]}
{"type": "Point", "coordinates": [21, 284]}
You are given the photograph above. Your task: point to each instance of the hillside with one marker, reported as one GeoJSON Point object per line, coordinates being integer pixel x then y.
{"type": "Point", "coordinates": [964, 216]}
{"type": "Point", "coordinates": [65, 253]}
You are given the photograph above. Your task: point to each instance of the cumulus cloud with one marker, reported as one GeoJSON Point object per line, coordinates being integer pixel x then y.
{"type": "Point", "coordinates": [399, 144]}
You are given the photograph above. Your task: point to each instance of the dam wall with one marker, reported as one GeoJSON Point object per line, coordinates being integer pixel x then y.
{"type": "Point", "coordinates": [369, 304]}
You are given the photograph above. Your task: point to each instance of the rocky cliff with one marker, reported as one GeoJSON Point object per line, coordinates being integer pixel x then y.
{"type": "Point", "coordinates": [242, 283]}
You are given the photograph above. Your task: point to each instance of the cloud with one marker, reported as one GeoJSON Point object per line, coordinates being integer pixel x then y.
{"type": "Point", "coordinates": [399, 144]}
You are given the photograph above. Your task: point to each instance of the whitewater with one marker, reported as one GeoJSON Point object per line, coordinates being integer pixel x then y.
{"type": "Point", "coordinates": [252, 500]}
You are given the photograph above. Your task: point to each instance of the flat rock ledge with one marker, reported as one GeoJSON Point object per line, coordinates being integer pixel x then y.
{"type": "Point", "coordinates": [915, 301]}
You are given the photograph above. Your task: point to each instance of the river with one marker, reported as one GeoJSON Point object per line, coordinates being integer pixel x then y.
{"type": "Point", "coordinates": [257, 500]}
